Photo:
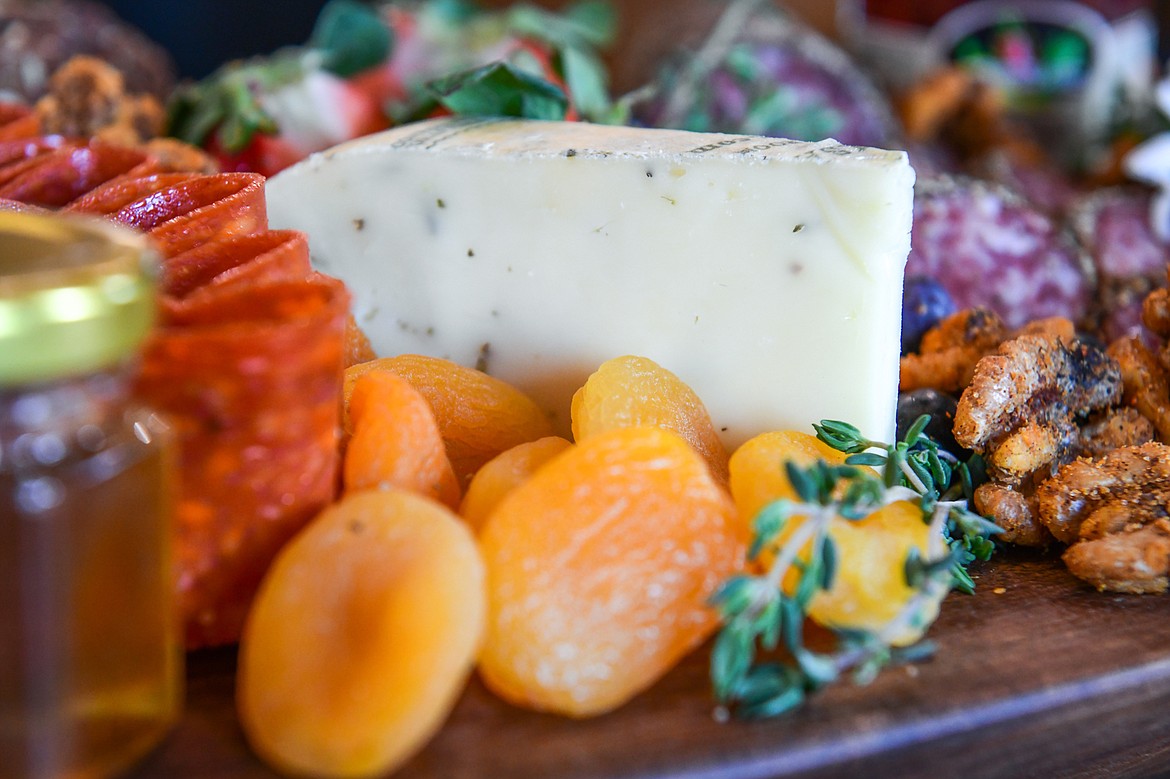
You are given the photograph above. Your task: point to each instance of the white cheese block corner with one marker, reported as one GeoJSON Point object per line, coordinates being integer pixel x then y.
{"type": "Point", "coordinates": [765, 273]}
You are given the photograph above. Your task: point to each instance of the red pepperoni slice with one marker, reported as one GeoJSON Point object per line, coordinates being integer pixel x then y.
{"type": "Point", "coordinates": [272, 255]}
{"type": "Point", "coordinates": [182, 211]}
{"type": "Point", "coordinates": [58, 176]}
{"type": "Point", "coordinates": [250, 378]}
{"type": "Point", "coordinates": [18, 121]}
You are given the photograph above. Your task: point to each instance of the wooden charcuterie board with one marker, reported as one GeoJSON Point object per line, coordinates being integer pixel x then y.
{"type": "Point", "coordinates": [1035, 675]}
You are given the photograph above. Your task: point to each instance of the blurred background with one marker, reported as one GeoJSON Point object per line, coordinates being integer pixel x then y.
{"type": "Point", "coordinates": [202, 34]}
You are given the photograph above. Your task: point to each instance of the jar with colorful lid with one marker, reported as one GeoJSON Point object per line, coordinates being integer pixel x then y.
{"type": "Point", "coordinates": [90, 653]}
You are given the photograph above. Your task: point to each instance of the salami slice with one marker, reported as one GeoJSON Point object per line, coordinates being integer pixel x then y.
{"type": "Point", "coordinates": [18, 121]}
{"type": "Point", "coordinates": [250, 378]}
{"type": "Point", "coordinates": [58, 176]}
{"type": "Point", "coordinates": [990, 248]}
{"type": "Point", "coordinates": [181, 211]}
{"type": "Point", "coordinates": [273, 255]}
{"type": "Point", "coordinates": [1130, 260]}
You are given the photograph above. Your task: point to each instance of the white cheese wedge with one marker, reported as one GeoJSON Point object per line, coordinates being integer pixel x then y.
{"type": "Point", "coordinates": [765, 273]}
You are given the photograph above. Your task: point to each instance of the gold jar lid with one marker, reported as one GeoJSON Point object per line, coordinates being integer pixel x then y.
{"type": "Point", "coordinates": [77, 295]}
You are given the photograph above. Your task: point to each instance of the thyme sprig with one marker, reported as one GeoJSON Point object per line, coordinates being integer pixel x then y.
{"type": "Point", "coordinates": [758, 615]}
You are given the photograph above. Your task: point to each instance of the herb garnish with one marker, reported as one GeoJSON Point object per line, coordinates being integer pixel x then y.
{"type": "Point", "coordinates": [757, 613]}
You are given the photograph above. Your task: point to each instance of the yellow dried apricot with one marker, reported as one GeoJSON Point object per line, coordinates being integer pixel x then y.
{"type": "Point", "coordinates": [757, 472]}
{"type": "Point", "coordinates": [362, 636]}
{"type": "Point", "coordinates": [396, 441]}
{"type": "Point", "coordinates": [630, 391]}
{"type": "Point", "coordinates": [502, 473]}
{"type": "Point", "coordinates": [479, 415]}
{"type": "Point", "coordinates": [600, 566]}
{"type": "Point", "coordinates": [869, 588]}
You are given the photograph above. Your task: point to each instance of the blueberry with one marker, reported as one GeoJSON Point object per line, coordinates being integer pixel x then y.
{"type": "Point", "coordinates": [941, 408]}
{"type": "Point", "coordinates": [924, 304]}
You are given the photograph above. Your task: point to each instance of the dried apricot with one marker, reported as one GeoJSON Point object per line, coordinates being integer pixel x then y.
{"type": "Point", "coordinates": [630, 391]}
{"type": "Point", "coordinates": [396, 441]}
{"type": "Point", "coordinates": [502, 473]}
{"type": "Point", "coordinates": [479, 416]}
{"type": "Point", "coordinates": [757, 472]}
{"type": "Point", "coordinates": [600, 567]}
{"type": "Point", "coordinates": [362, 636]}
{"type": "Point", "coordinates": [869, 588]}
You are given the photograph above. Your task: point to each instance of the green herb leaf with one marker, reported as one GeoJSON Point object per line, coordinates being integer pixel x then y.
{"type": "Point", "coordinates": [586, 79]}
{"type": "Point", "coordinates": [802, 481]}
{"type": "Point", "coordinates": [916, 430]}
{"type": "Point", "coordinates": [352, 37]}
{"type": "Point", "coordinates": [498, 89]}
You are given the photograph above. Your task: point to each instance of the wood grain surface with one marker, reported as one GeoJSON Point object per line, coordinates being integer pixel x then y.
{"type": "Point", "coordinates": [1035, 676]}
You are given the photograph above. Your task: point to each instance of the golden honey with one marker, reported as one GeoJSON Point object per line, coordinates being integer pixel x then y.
{"type": "Point", "coordinates": [90, 658]}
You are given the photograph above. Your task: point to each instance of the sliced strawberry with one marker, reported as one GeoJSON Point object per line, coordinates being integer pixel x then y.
{"type": "Point", "coordinates": [264, 154]}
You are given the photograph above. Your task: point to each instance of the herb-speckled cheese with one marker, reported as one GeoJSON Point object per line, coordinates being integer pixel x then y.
{"type": "Point", "coordinates": [766, 273]}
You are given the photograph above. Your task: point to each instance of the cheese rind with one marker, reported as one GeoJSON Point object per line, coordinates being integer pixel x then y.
{"type": "Point", "coordinates": [765, 273]}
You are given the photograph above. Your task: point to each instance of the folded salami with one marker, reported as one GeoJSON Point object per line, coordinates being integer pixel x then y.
{"type": "Point", "coordinates": [250, 379]}
{"type": "Point", "coordinates": [181, 210]}
{"type": "Point", "coordinates": [54, 177]}
{"type": "Point", "coordinates": [17, 121]}
{"type": "Point", "coordinates": [191, 276]}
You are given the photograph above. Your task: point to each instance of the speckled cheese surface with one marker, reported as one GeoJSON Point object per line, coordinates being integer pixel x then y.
{"type": "Point", "coordinates": [766, 273]}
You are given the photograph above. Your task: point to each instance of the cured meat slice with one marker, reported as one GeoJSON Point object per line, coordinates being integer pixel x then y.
{"type": "Point", "coordinates": [17, 121]}
{"type": "Point", "coordinates": [111, 197]}
{"type": "Point", "coordinates": [1130, 260]}
{"type": "Point", "coordinates": [58, 176]}
{"type": "Point", "coordinates": [250, 379]}
{"type": "Point", "coordinates": [991, 249]}
{"type": "Point", "coordinates": [182, 211]}
{"type": "Point", "coordinates": [273, 255]}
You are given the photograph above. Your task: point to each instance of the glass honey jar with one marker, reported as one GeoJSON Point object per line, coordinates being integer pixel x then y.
{"type": "Point", "coordinates": [90, 653]}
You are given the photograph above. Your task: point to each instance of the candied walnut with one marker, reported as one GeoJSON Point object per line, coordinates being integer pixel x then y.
{"type": "Point", "coordinates": [1146, 382]}
{"type": "Point", "coordinates": [180, 157]}
{"type": "Point", "coordinates": [1035, 378]}
{"type": "Point", "coordinates": [1114, 428]}
{"type": "Point", "coordinates": [1037, 403]}
{"type": "Point", "coordinates": [1156, 311]}
{"type": "Point", "coordinates": [1014, 512]}
{"type": "Point", "coordinates": [951, 350]}
{"type": "Point", "coordinates": [1115, 512]}
{"type": "Point", "coordinates": [87, 98]}
{"type": "Point", "coordinates": [1124, 477]}
{"type": "Point", "coordinates": [955, 106]}
{"type": "Point", "coordinates": [1132, 562]}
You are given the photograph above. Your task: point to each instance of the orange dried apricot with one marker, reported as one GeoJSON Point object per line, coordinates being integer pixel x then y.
{"type": "Point", "coordinates": [869, 588]}
{"type": "Point", "coordinates": [600, 567]}
{"type": "Point", "coordinates": [362, 636]}
{"type": "Point", "coordinates": [629, 391]}
{"type": "Point", "coordinates": [502, 473]}
{"type": "Point", "coordinates": [396, 441]}
{"type": "Point", "coordinates": [479, 415]}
